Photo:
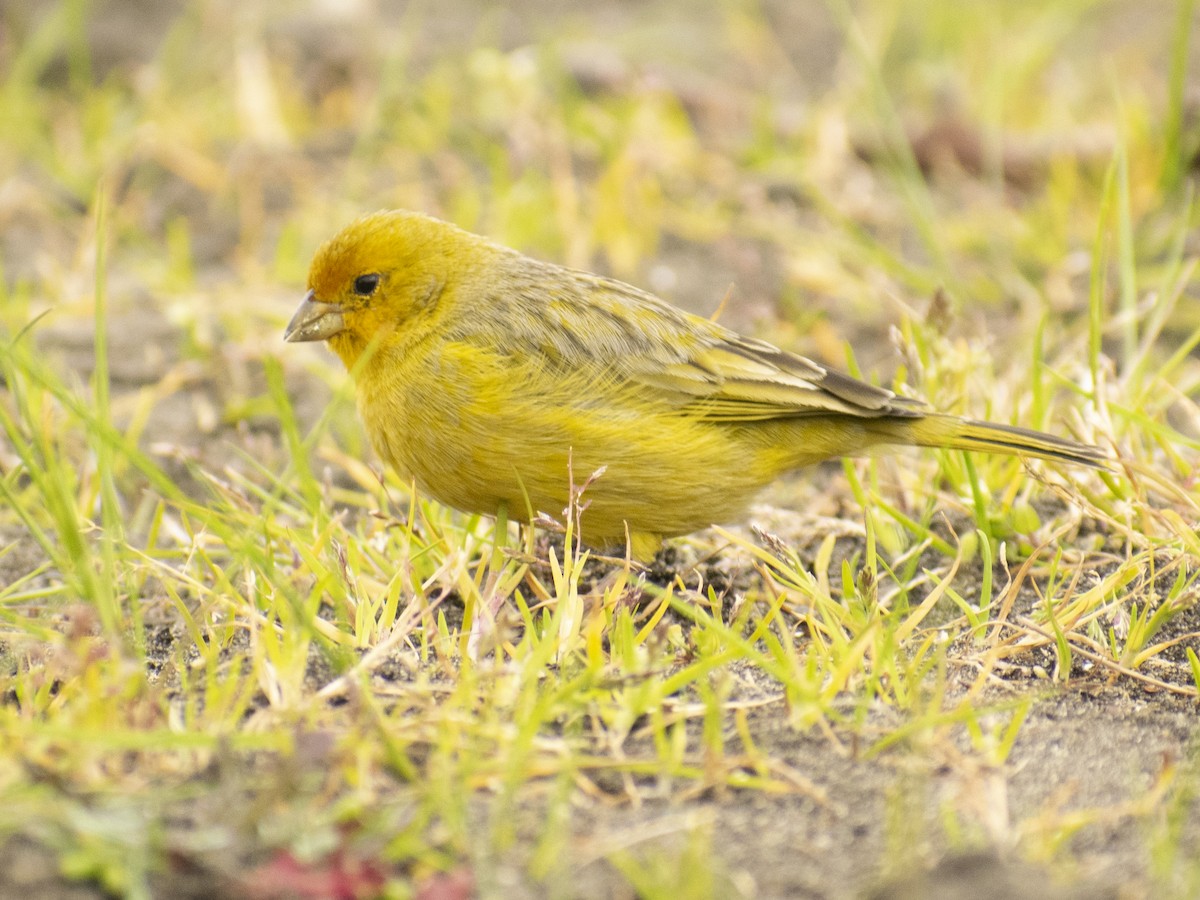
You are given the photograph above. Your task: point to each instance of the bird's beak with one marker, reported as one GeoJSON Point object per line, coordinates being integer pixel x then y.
{"type": "Point", "coordinates": [314, 321]}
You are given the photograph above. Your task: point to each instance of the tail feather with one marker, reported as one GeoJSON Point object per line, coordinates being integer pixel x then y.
{"type": "Point", "coordinates": [968, 434]}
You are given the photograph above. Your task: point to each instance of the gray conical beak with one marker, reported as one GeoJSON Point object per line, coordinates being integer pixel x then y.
{"type": "Point", "coordinates": [314, 321]}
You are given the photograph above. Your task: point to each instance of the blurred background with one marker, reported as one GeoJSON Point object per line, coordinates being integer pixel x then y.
{"type": "Point", "coordinates": [772, 149]}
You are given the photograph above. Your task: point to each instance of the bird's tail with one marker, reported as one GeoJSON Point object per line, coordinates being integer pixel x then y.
{"type": "Point", "coordinates": [954, 433]}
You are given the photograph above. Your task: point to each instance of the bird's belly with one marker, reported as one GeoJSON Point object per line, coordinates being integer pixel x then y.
{"type": "Point", "coordinates": [631, 469]}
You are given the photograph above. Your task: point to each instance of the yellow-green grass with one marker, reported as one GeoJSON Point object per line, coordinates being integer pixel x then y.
{"type": "Point", "coordinates": [250, 643]}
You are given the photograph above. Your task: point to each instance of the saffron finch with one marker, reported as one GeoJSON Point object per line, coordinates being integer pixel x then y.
{"type": "Point", "coordinates": [484, 375]}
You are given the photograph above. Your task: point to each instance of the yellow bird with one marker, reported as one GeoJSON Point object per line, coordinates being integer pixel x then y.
{"type": "Point", "coordinates": [482, 374]}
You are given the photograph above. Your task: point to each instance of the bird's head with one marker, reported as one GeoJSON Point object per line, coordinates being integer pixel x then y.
{"type": "Point", "coordinates": [381, 278]}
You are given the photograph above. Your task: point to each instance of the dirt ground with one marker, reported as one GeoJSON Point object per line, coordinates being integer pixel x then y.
{"type": "Point", "coordinates": [1101, 743]}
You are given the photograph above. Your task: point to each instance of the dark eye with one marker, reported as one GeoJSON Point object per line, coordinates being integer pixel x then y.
{"type": "Point", "coordinates": [364, 285]}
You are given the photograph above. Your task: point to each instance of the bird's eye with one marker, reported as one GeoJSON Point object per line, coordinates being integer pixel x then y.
{"type": "Point", "coordinates": [364, 285]}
